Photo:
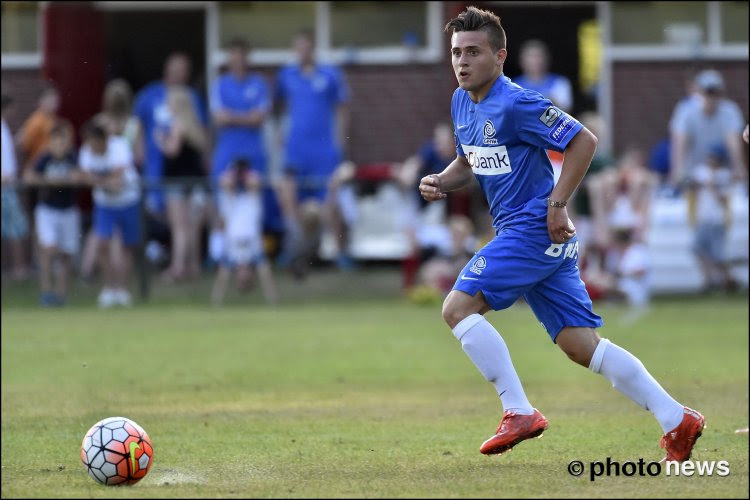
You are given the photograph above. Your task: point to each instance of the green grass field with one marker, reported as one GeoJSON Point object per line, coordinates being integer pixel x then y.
{"type": "Point", "coordinates": [340, 396]}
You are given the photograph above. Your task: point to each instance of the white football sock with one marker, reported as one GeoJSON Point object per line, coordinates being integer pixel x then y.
{"type": "Point", "coordinates": [487, 350]}
{"type": "Point", "coordinates": [630, 377]}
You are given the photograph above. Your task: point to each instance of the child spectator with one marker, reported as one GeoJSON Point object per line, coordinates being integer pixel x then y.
{"type": "Point", "coordinates": [108, 164]}
{"type": "Point", "coordinates": [240, 203]}
{"type": "Point", "coordinates": [33, 137]}
{"type": "Point", "coordinates": [56, 217]}
{"type": "Point", "coordinates": [710, 216]}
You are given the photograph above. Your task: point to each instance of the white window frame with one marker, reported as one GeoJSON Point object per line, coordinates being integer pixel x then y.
{"type": "Point", "coordinates": [28, 60]}
{"type": "Point", "coordinates": [430, 53]}
{"type": "Point", "coordinates": [713, 49]}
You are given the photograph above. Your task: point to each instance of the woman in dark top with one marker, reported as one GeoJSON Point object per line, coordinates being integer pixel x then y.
{"type": "Point", "coordinates": [183, 146]}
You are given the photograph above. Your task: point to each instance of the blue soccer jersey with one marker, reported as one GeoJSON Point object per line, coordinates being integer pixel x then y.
{"type": "Point", "coordinates": [239, 96]}
{"type": "Point", "coordinates": [310, 150]}
{"type": "Point", "coordinates": [504, 138]}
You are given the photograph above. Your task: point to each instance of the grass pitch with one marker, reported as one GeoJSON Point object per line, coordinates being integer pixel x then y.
{"type": "Point", "coordinates": [350, 397]}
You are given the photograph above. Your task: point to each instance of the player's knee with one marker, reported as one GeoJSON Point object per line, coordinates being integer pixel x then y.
{"type": "Point", "coordinates": [453, 313]}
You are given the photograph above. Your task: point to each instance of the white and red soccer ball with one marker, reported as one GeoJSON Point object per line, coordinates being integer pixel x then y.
{"type": "Point", "coordinates": [116, 450]}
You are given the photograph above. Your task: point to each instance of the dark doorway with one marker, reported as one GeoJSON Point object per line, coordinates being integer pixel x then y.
{"type": "Point", "coordinates": [138, 43]}
{"type": "Point", "coordinates": [555, 24]}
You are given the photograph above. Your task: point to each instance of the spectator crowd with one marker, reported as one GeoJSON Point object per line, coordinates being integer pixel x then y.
{"type": "Point", "coordinates": [190, 182]}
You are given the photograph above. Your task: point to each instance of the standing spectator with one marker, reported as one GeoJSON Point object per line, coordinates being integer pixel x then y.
{"type": "Point", "coordinates": [710, 217]}
{"type": "Point", "coordinates": [534, 61]}
{"type": "Point", "coordinates": [14, 223]}
{"type": "Point", "coordinates": [33, 137]}
{"type": "Point", "coordinates": [717, 120]}
{"type": "Point", "coordinates": [240, 102]}
{"type": "Point", "coordinates": [183, 146]}
{"type": "Point", "coordinates": [314, 96]}
{"type": "Point", "coordinates": [240, 204]}
{"type": "Point", "coordinates": [57, 220]}
{"type": "Point", "coordinates": [425, 223]}
{"type": "Point", "coordinates": [118, 118]}
{"type": "Point", "coordinates": [153, 112]}
{"type": "Point", "coordinates": [108, 165]}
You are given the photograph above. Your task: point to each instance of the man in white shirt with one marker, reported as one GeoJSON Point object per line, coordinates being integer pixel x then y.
{"type": "Point", "coordinates": [107, 163]}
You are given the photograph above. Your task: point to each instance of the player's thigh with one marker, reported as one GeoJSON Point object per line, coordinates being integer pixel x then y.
{"type": "Point", "coordinates": [506, 268]}
{"type": "Point", "coordinates": [561, 300]}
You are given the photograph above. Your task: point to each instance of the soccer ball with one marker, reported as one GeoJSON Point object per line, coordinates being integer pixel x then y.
{"type": "Point", "coordinates": [116, 450]}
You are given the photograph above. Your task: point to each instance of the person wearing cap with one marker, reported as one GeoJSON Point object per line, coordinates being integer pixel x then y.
{"type": "Point", "coordinates": [717, 120]}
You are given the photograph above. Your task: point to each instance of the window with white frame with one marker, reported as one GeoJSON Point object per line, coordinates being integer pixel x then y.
{"type": "Point", "coordinates": [265, 25]}
{"type": "Point", "coordinates": [20, 34]}
{"type": "Point", "coordinates": [388, 24]}
{"type": "Point", "coordinates": [659, 22]}
{"type": "Point", "coordinates": [351, 32]}
{"type": "Point", "coordinates": [734, 25]}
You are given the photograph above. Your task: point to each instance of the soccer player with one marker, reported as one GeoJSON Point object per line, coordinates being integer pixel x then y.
{"type": "Point", "coordinates": [501, 132]}
{"type": "Point", "coordinates": [314, 96]}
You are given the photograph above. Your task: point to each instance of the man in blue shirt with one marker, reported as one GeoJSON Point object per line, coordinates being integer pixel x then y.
{"type": "Point", "coordinates": [534, 60]}
{"type": "Point", "coordinates": [502, 131]}
{"type": "Point", "coordinates": [314, 96]}
{"type": "Point", "coordinates": [240, 102]}
{"type": "Point", "coordinates": [151, 109]}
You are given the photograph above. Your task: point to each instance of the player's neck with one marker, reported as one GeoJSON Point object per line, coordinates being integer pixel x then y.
{"type": "Point", "coordinates": [478, 95]}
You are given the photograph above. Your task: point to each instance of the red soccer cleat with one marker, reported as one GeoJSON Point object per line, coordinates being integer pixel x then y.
{"type": "Point", "coordinates": [679, 441]}
{"type": "Point", "coordinates": [512, 430]}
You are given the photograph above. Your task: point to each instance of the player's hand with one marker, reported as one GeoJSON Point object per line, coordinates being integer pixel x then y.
{"type": "Point", "coordinates": [429, 188]}
{"type": "Point", "coordinates": [559, 226]}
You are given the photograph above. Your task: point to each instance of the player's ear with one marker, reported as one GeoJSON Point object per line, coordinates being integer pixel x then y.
{"type": "Point", "coordinates": [501, 55]}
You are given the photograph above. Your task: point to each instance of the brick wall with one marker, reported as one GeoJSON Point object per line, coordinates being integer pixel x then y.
{"type": "Point", "coordinates": [24, 86]}
{"type": "Point", "coordinates": [645, 94]}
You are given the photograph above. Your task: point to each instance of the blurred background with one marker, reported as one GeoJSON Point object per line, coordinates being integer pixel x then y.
{"type": "Point", "coordinates": [363, 89]}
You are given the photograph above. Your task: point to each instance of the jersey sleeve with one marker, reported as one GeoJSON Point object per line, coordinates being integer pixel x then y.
{"type": "Point", "coordinates": [340, 87]}
{"type": "Point", "coordinates": [200, 107]}
{"type": "Point", "coordinates": [214, 99]}
{"type": "Point", "coordinates": [264, 96]}
{"type": "Point", "coordinates": [279, 90]}
{"type": "Point", "coordinates": [542, 124]}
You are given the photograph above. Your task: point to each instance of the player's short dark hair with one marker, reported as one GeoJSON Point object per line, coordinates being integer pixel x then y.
{"type": "Point", "coordinates": [474, 19]}
{"type": "Point", "coordinates": [94, 129]}
{"type": "Point", "coordinates": [238, 43]}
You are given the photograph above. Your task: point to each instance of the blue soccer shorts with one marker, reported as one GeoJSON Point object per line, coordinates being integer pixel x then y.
{"type": "Point", "coordinates": [128, 219]}
{"type": "Point", "coordinates": [516, 264]}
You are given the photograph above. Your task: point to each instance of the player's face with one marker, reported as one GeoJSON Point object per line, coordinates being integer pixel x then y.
{"type": "Point", "coordinates": [178, 71]}
{"type": "Point", "coordinates": [533, 61]}
{"type": "Point", "coordinates": [303, 46]}
{"type": "Point", "coordinates": [237, 58]}
{"type": "Point", "coordinates": [475, 64]}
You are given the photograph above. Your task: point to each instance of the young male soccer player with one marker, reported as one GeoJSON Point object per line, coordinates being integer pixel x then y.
{"type": "Point", "coordinates": [501, 132]}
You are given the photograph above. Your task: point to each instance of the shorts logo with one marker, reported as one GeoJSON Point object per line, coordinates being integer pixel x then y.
{"type": "Point", "coordinates": [489, 133]}
{"type": "Point", "coordinates": [478, 266]}
{"type": "Point", "coordinates": [550, 116]}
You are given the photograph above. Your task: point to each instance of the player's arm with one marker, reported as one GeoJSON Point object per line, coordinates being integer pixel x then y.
{"type": "Point", "coordinates": [457, 175]}
{"type": "Point", "coordinates": [578, 157]}
{"type": "Point", "coordinates": [734, 145]}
